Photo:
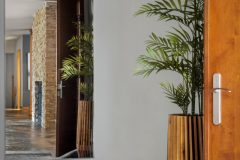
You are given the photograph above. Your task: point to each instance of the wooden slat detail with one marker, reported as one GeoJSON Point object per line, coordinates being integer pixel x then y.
{"type": "Point", "coordinates": [169, 137]}
{"type": "Point", "coordinates": [182, 138]}
{"type": "Point", "coordinates": [184, 142]}
{"type": "Point", "coordinates": [172, 137]}
{"type": "Point", "coordinates": [84, 129]}
{"type": "Point", "coordinates": [92, 130]}
{"type": "Point", "coordinates": [200, 140]}
{"type": "Point", "coordinates": [190, 138]}
{"type": "Point", "coordinates": [79, 122]}
{"type": "Point", "coordinates": [175, 138]}
{"type": "Point", "coordinates": [186, 137]}
{"type": "Point", "coordinates": [195, 138]}
{"type": "Point", "coordinates": [178, 138]}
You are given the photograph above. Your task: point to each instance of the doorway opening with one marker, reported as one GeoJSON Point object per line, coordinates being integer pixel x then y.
{"type": "Point", "coordinates": [47, 108]}
{"type": "Point", "coordinates": [31, 78]}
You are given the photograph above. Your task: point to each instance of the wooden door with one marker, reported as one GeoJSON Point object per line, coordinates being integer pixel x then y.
{"type": "Point", "coordinates": [222, 55]}
{"type": "Point", "coordinates": [67, 105]}
{"type": "Point", "coordinates": [19, 78]}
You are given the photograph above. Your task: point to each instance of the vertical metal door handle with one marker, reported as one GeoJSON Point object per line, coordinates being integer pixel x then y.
{"type": "Point", "coordinates": [60, 86]}
{"type": "Point", "coordinates": [216, 90]}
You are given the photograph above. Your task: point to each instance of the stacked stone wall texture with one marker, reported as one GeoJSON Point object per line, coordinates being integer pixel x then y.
{"type": "Point", "coordinates": [44, 63]}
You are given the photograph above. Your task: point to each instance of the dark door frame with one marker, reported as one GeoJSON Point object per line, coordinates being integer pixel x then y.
{"type": "Point", "coordinates": [67, 12]}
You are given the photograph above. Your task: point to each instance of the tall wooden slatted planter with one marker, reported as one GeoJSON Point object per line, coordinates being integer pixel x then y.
{"type": "Point", "coordinates": [85, 129]}
{"type": "Point", "coordinates": [185, 137]}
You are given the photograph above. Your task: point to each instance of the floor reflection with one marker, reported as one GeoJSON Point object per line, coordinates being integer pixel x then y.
{"type": "Point", "coordinates": [24, 135]}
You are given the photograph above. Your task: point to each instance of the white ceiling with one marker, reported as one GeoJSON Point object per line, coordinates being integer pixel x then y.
{"type": "Point", "coordinates": [19, 15]}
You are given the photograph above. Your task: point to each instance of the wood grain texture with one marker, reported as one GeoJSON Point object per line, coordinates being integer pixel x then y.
{"type": "Point", "coordinates": [178, 137]}
{"type": "Point", "coordinates": [190, 138]}
{"type": "Point", "coordinates": [175, 138]}
{"type": "Point", "coordinates": [183, 137]}
{"type": "Point", "coordinates": [207, 94]}
{"type": "Point", "coordinates": [170, 132]}
{"type": "Point", "coordinates": [200, 137]}
{"type": "Point", "coordinates": [67, 107]}
{"type": "Point", "coordinates": [195, 139]}
{"type": "Point", "coordinates": [84, 143]}
{"type": "Point", "coordinates": [172, 137]}
{"type": "Point", "coordinates": [186, 138]}
{"type": "Point", "coordinates": [222, 39]}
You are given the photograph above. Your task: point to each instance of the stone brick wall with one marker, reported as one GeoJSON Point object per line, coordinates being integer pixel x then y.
{"type": "Point", "coordinates": [44, 63]}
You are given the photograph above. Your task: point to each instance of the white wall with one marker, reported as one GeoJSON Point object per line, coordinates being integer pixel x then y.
{"type": "Point", "coordinates": [10, 46]}
{"type": "Point", "coordinates": [2, 79]}
{"type": "Point", "coordinates": [131, 112]}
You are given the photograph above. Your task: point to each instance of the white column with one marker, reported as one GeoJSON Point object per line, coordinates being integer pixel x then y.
{"type": "Point", "coordinates": [2, 79]}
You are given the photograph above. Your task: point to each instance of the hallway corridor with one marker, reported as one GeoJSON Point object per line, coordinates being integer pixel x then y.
{"type": "Point", "coordinates": [23, 137]}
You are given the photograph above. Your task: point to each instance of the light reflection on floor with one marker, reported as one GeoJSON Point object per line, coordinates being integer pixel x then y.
{"type": "Point", "coordinates": [24, 135]}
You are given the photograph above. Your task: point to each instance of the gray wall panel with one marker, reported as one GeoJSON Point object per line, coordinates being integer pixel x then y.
{"type": "Point", "coordinates": [130, 112]}
{"type": "Point", "coordinates": [2, 79]}
{"type": "Point", "coordinates": [24, 76]}
{"type": "Point", "coordinates": [9, 73]}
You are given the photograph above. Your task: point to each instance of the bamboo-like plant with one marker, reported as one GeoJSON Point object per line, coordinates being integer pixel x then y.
{"type": "Point", "coordinates": [181, 51]}
{"type": "Point", "coordinates": [84, 59]}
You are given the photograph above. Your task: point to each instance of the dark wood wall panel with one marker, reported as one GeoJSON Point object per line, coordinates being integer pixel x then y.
{"type": "Point", "coordinates": [67, 106]}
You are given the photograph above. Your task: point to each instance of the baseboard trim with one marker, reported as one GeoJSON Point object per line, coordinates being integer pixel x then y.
{"type": "Point", "coordinates": [25, 108]}
{"type": "Point", "coordinates": [12, 109]}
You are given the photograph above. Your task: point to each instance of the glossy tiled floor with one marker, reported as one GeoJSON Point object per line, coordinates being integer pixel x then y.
{"type": "Point", "coordinates": [24, 135]}
{"type": "Point", "coordinates": [27, 157]}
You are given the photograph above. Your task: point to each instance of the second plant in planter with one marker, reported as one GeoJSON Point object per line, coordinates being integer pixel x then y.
{"type": "Point", "coordinates": [82, 65]}
{"type": "Point", "coordinates": [180, 51]}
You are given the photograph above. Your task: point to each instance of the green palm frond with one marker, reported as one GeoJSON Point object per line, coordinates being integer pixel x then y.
{"type": "Point", "coordinates": [86, 89]}
{"type": "Point", "coordinates": [157, 62]}
{"type": "Point", "coordinates": [179, 95]}
{"type": "Point", "coordinates": [71, 64]}
{"type": "Point", "coordinates": [159, 8]}
{"type": "Point", "coordinates": [181, 51]}
{"type": "Point", "coordinates": [175, 44]}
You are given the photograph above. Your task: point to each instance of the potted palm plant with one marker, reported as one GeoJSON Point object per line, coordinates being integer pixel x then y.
{"type": "Point", "coordinates": [83, 44]}
{"type": "Point", "coordinates": [180, 51]}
